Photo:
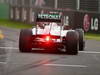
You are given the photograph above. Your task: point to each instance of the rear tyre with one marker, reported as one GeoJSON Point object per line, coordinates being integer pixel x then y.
{"type": "Point", "coordinates": [81, 39]}
{"type": "Point", "coordinates": [25, 40]}
{"type": "Point", "coordinates": [71, 43]}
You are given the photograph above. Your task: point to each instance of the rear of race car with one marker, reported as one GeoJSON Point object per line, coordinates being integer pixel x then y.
{"type": "Point", "coordinates": [49, 33]}
{"type": "Point", "coordinates": [46, 41]}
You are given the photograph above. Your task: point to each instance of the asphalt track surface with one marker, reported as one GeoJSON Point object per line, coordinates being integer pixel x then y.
{"type": "Point", "coordinates": [12, 62]}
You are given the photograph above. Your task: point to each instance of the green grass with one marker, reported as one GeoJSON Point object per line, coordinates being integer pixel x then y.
{"type": "Point", "coordinates": [92, 36]}
{"type": "Point", "coordinates": [13, 24]}
{"type": "Point", "coordinates": [19, 25]}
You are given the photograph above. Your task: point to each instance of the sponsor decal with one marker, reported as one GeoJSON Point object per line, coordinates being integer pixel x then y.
{"type": "Point", "coordinates": [94, 24]}
{"type": "Point", "coordinates": [86, 22]}
{"type": "Point", "coordinates": [90, 23]}
{"type": "Point", "coordinates": [49, 16]}
{"type": "Point", "coordinates": [66, 20]}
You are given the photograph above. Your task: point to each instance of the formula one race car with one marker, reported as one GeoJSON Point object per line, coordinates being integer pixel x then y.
{"type": "Point", "coordinates": [50, 34]}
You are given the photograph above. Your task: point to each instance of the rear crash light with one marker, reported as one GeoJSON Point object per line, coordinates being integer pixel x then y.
{"type": "Point", "coordinates": [47, 38]}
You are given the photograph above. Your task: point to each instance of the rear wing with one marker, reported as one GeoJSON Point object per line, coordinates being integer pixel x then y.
{"type": "Point", "coordinates": [48, 18]}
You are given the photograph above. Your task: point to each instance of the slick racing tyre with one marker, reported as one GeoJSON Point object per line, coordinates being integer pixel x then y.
{"type": "Point", "coordinates": [81, 39]}
{"type": "Point", "coordinates": [25, 40]}
{"type": "Point", "coordinates": [72, 43]}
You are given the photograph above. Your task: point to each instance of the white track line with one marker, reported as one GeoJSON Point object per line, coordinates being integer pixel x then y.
{"type": "Point", "coordinates": [8, 48]}
{"type": "Point", "coordinates": [90, 52]}
{"type": "Point", "coordinates": [3, 62]}
{"type": "Point", "coordinates": [62, 65]}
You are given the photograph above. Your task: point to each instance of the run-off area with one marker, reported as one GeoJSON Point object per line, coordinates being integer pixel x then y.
{"type": "Point", "coordinates": [13, 62]}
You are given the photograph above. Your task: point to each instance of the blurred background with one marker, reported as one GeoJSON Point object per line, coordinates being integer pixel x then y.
{"type": "Point", "coordinates": [26, 10]}
{"type": "Point", "coordinates": [87, 5]}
